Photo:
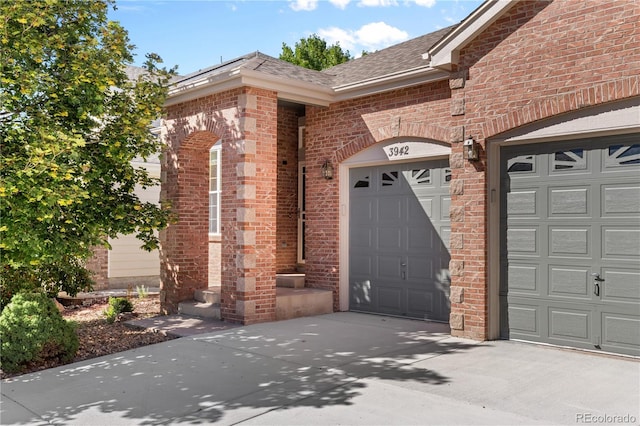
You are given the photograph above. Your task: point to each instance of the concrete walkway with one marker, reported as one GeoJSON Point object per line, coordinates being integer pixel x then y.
{"type": "Point", "coordinates": [342, 368]}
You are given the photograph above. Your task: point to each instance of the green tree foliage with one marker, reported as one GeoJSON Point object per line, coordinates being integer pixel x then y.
{"type": "Point", "coordinates": [71, 122]}
{"type": "Point", "coordinates": [313, 53]}
{"type": "Point", "coordinates": [33, 330]}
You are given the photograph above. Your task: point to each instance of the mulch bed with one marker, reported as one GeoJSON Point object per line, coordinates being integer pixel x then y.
{"type": "Point", "coordinates": [98, 338]}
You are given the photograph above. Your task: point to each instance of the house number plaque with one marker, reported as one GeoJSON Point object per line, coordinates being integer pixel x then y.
{"type": "Point", "coordinates": [404, 150]}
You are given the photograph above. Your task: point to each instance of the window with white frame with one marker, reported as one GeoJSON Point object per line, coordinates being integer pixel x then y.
{"type": "Point", "coordinates": [214, 190]}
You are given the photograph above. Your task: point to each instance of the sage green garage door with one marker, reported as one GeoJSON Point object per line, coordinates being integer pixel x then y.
{"type": "Point", "coordinates": [571, 252]}
{"type": "Point", "coordinates": [399, 237]}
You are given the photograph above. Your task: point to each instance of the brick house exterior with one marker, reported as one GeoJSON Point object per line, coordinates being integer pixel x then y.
{"type": "Point", "coordinates": [504, 72]}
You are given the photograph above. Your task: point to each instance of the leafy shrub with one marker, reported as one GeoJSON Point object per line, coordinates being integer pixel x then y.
{"type": "Point", "coordinates": [69, 275]}
{"type": "Point", "coordinates": [117, 305]}
{"type": "Point", "coordinates": [32, 330]}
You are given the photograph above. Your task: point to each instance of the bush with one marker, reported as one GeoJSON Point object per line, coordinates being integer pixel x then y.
{"type": "Point", "coordinates": [117, 305]}
{"type": "Point", "coordinates": [32, 330]}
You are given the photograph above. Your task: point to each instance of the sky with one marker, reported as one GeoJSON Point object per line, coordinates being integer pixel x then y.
{"type": "Point", "coordinates": [197, 34]}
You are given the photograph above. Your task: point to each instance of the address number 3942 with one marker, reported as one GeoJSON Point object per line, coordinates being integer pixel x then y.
{"type": "Point", "coordinates": [398, 151]}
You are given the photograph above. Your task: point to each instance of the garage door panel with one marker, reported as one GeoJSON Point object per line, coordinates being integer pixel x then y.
{"type": "Point", "coordinates": [420, 238]}
{"type": "Point", "coordinates": [445, 208]}
{"type": "Point", "coordinates": [445, 239]}
{"type": "Point", "coordinates": [390, 299]}
{"type": "Point", "coordinates": [361, 265]}
{"type": "Point", "coordinates": [571, 243]}
{"type": "Point", "coordinates": [389, 238]}
{"type": "Point", "coordinates": [564, 241]}
{"type": "Point", "coordinates": [389, 266]}
{"type": "Point", "coordinates": [568, 201]}
{"type": "Point", "coordinates": [523, 320]}
{"type": "Point", "coordinates": [569, 282]}
{"type": "Point", "coordinates": [522, 203]}
{"type": "Point", "coordinates": [619, 242]}
{"type": "Point", "coordinates": [390, 210]}
{"type": "Point", "coordinates": [621, 285]}
{"type": "Point", "coordinates": [523, 241]}
{"type": "Point", "coordinates": [523, 278]}
{"type": "Point", "coordinates": [419, 269]}
{"type": "Point", "coordinates": [360, 293]}
{"type": "Point", "coordinates": [570, 325]}
{"type": "Point", "coordinates": [363, 210]}
{"type": "Point", "coordinates": [619, 330]}
{"type": "Point", "coordinates": [362, 238]}
{"type": "Point", "coordinates": [620, 200]}
{"type": "Point", "coordinates": [420, 302]}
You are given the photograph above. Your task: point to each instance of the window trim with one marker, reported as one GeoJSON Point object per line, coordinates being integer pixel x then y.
{"type": "Point", "coordinates": [217, 149]}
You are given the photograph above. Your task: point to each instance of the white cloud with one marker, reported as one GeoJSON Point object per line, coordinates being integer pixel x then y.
{"type": "Point", "coordinates": [370, 37]}
{"type": "Point", "coordinates": [334, 35]}
{"type": "Point", "coordinates": [340, 4]}
{"type": "Point", "coordinates": [378, 35]}
{"type": "Point", "coordinates": [425, 3]}
{"type": "Point", "coordinates": [306, 5]}
{"type": "Point", "coordinates": [377, 3]}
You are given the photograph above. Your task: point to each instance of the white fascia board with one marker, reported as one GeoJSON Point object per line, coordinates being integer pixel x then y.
{"type": "Point", "coordinates": [389, 82]}
{"type": "Point", "coordinates": [203, 87]}
{"type": "Point", "coordinates": [446, 52]}
{"type": "Point", "coordinates": [289, 89]}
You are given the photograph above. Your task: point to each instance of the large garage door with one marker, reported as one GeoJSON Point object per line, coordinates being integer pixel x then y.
{"type": "Point", "coordinates": [399, 237]}
{"type": "Point", "coordinates": [571, 252]}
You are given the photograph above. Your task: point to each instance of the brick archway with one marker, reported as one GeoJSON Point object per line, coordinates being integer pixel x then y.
{"type": "Point", "coordinates": [185, 244]}
{"type": "Point", "coordinates": [409, 129]}
{"type": "Point", "coordinates": [566, 102]}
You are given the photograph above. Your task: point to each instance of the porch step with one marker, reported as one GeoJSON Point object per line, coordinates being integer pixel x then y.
{"type": "Point", "coordinates": [302, 302]}
{"type": "Point", "coordinates": [199, 309]}
{"type": "Point", "coordinates": [210, 295]}
{"type": "Point", "coordinates": [290, 280]}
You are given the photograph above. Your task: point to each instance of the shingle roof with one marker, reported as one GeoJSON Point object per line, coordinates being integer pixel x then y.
{"type": "Point", "coordinates": [400, 57]}
{"type": "Point", "coordinates": [395, 59]}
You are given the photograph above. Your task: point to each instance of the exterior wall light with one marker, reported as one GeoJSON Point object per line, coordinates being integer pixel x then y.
{"type": "Point", "coordinates": [470, 149]}
{"type": "Point", "coordinates": [327, 170]}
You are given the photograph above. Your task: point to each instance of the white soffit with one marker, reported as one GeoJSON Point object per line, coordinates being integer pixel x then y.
{"type": "Point", "coordinates": [446, 52]}
{"type": "Point", "coordinates": [603, 119]}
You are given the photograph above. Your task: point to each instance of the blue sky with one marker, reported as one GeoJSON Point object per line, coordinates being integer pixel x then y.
{"type": "Point", "coordinates": [198, 34]}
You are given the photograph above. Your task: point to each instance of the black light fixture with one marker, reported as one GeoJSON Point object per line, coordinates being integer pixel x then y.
{"type": "Point", "coordinates": [470, 149]}
{"type": "Point", "coordinates": [327, 170]}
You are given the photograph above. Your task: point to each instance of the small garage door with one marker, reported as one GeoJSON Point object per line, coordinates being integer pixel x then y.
{"type": "Point", "coordinates": [571, 245]}
{"type": "Point", "coordinates": [399, 237]}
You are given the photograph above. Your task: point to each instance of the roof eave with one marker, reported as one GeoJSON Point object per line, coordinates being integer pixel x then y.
{"type": "Point", "coordinates": [446, 53]}
{"type": "Point", "coordinates": [389, 82]}
{"type": "Point", "coordinates": [287, 89]}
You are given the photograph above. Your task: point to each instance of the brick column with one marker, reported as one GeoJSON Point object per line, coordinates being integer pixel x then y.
{"type": "Point", "coordinates": [249, 211]}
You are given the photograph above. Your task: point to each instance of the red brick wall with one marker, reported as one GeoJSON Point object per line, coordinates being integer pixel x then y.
{"type": "Point", "coordinates": [537, 61]}
{"type": "Point", "coordinates": [540, 59]}
{"type": "Point", "coordinates": [98, 264]}
{"type": "Point", "coordinates": [287, 215]}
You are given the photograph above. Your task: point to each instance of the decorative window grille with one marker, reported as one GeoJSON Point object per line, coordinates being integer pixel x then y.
{"type": "Point", "coordinates": [522, 163]}
{"type": "Point", "coordinates": [623, 155]}
{"type": "Point", "coordinates": [574, 159]}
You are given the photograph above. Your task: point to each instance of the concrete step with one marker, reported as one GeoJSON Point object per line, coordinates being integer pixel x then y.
{"type": "Point", "coordinates": [200, 309]}
{"type": "Point", "coordinates": [290, 280]}
{"type": "Point", "coordinates": [210, 295]}
{"type": "Point", "coordinates": [304, 302]}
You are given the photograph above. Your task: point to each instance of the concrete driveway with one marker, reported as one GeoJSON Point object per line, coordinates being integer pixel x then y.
{"type": "Point", "coordinates": [336, 369]}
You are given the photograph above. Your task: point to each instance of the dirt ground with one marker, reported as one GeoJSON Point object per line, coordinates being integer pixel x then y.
{"type": "Point", "coordinates": [98, 338]}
